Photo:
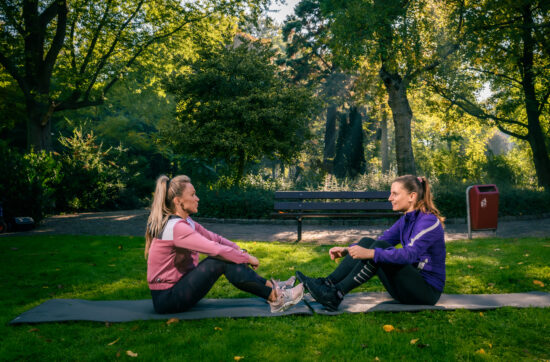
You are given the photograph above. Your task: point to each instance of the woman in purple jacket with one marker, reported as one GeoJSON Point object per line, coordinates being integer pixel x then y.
{"type": "Point", "coordinates": [412, 274]}
{"type": "Point", "coordinates": [173, 242]}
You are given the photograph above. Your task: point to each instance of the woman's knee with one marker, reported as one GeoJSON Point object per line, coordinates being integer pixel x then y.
{"type": "Point", "coordinates": [371, 243]}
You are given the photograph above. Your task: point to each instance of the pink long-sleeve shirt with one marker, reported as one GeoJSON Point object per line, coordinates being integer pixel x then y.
{"type": "Point", "coordinates": [176, 252]}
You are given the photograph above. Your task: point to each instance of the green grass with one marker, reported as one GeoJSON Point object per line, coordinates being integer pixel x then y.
{"type": "Point", "coordinates": [35, 269]}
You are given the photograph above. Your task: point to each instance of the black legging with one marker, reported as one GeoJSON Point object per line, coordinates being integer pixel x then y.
{"type": "Point", "coordinates": [403, 281]}
{"type": "Point", "coordinates": [194, 285]}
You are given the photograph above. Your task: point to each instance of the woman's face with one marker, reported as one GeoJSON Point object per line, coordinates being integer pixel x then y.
{"type": "Point", "coordinates": [188, 202]}
{"type": "Point", "coordinates": [401, 199]}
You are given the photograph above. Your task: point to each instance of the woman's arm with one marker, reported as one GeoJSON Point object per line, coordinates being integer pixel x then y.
{"type": "Point", "coordinates": [187, 238]}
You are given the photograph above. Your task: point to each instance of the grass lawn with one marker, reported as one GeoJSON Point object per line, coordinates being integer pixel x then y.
{"type": "Point", "coordinates": [35, 269]}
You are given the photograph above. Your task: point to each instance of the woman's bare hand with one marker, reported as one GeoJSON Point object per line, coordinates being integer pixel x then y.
{"type": "Point", "coordinates": [338, 252]}
{"type": "Point", "coordinates": [253, 261]}
{"type": "Point", "coordinates": [358, 252]}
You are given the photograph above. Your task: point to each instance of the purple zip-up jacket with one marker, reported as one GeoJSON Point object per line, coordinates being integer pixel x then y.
{"type": "Point", "coordinates": [423, 241]}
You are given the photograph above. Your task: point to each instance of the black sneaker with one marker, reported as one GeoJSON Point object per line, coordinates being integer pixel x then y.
{"type": "Point", "coordinates": [328, 295]}
{"type": "Point", "coordinates": [322, 290]}
{"type": "Point", "coordinates": [307, 281]}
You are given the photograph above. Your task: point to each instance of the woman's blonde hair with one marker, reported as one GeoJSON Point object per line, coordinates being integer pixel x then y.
{"type": "Point", "coordinates": [163, 205]}
{"type": "Point", "coordinates": [424, 200]}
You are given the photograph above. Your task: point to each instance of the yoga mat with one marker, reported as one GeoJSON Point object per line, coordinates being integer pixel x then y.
{"type": "Point", "coordinates": [59, 310]}
{"type": "Point", "coordinates": [381, 301]}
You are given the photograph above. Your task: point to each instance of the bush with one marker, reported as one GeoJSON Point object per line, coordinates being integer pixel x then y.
{"type": "Point", "coordinates": [28, 189]}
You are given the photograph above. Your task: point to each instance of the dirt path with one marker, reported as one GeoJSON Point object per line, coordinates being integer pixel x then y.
{"type": "Point", "coordinates": [132, 223]}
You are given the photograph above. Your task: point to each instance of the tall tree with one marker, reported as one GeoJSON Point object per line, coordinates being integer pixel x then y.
{"type": "Point", "coordinates": [404, 39]}
{"type": "Point", "coordinates": [236, 105]}
{"type": "Point", "coordinates": [67, 54]}
{"type": "Point", "coordinates": [508, 50]}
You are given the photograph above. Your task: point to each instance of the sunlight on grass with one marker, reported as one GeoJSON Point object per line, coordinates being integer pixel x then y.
{"type": "Point", "coordinates": [110, 268]}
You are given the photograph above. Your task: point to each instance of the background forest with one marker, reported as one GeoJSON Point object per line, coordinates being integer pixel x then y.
{"type": "Point", "coordinates": [98, 98]}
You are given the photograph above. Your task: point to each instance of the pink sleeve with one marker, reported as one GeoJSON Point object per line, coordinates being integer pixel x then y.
{"type": "Point", "coordinates": [187, 238]}
{"type": "Point", "coordinates": [214, 237]}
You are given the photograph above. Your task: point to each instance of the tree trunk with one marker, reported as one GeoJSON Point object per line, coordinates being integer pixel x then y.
{"type": "Point", "coordinates": [39, 135]}
{"type": "Point", "coordinates": [402, 115]}
{"type": "Point", "coordinates": [330, 139]}
{"type": "Point", "coordinates": [357, 163]}
{"type": "Point", "coordinates": [384, 140]}
{"type": "Point", "coordinates": [535, 136]}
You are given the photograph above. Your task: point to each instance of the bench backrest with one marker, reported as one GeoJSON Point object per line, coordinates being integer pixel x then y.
{"type": "Point", "coordinates": [304, 201]}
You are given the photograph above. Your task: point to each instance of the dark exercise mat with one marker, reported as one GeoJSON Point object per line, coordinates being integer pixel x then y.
{"type": "Point", "coordinates": [59, 310]}
{"type": "Point", "coordinates": [378, 301]}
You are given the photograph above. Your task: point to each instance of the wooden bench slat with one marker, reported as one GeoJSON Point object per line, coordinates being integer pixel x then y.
{"type": "Point", "coordinates": [374, 205]}
{"type": "Point", "coordinates": [332, 195]}
{"type": "Point", "coordinates": [293, 215]}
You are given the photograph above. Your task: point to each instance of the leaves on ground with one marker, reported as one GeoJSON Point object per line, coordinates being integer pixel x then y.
{"type": "Point", "coordinates": [538, 282]}
{"type": "Point", "coordinates": [131, 354]}
{"type": "Point", "coordinates": [172, 320]}
{"type": "Point", "coordinates": [388, 328]}
{"type": "Point", "coordinates": [113, 342]}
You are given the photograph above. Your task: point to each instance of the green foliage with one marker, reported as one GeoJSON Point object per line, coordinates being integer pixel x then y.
{"type": "Point", "coordinates": [113, 268]}
{"type": "Point", "coordinates": [92, 180]}
{"type": "Point", "coordinates": [28, 188]}
{"type": "Point", "coordinates": [235, 106]}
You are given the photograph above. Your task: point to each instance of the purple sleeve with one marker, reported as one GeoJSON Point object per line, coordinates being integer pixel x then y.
{"type": "Point", "coordinates": [426, 231]}
{"type": "Point", "coordinates": [393, 234]}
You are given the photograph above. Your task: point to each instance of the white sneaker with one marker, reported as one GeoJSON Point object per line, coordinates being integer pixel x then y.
{"type": "Point", "coordinates": [286, 284]}
{"type": "Point", "coordinates": [286, 298]}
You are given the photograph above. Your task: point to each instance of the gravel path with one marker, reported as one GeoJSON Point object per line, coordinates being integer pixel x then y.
{"type": "Point", "coordinates": [132, 223]}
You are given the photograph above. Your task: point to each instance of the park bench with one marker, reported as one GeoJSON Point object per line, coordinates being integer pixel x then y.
{"type": "Point", "coordinates": [332, 204]}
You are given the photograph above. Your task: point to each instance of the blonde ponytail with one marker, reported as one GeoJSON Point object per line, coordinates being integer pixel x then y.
{"type": "Point", "coordinates": [163, 205]}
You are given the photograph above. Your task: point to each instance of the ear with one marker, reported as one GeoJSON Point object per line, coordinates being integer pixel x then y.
{"type": "Point", "coordinates": [413, 196]}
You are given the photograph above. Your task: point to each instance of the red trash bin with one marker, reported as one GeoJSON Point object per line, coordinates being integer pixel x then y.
{"type": "Point", "coordinates": [482, 208]}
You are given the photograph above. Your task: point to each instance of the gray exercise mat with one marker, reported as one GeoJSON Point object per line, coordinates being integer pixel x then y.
{"type": "Point", "coordinates": [378, 301]}
{"type": "Point", "coordinates": [59, 310]}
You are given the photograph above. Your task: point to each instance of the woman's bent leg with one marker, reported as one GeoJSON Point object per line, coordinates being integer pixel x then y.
{"type": "Point", "coordinates": [191, 288]}
{"type": "Point", "coordinates": [348, 264]}
{"type": "Point", "coordinates": [246, 279]}
{"type": "Point", "coordinates": [405, 284]}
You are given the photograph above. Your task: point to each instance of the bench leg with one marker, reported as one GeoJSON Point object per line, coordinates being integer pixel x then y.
{"type": "Point", "coordinates": [299, 229]}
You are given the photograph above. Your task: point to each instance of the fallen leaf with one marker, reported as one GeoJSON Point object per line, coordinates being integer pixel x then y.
{"type": "Point", "coordinates": [520, 263]}
{"type": "Point", "coordinates": [413, 341]}
{"type": "Point", "coordinates": [480, 351]}
{"type": "Point", "coordinates": [33, 330]}
{"type": "Point", "coordinates": [291, 268]}
{"type": "Point", "coordinates": [490, 284]}
{"type": "Point", "coordinates": [131, 354]}
{"type": "Point", "coordinates": [218, 329]}
{"type": "Point", "coordinates": [134, 328]}
{"type": "Point", "coordinates": [112, 265]}
{"type": "Point", "coordinates": [238, 358]}
{"type": "Point", "coordinates": [470, 266]}
{"type": "Point", "coordinates": [376, 359]}
{"type": "Point", "coordinates": [120, 247]}
{"type": "Point", "coordinates": [525, 254]}
{"type": "Point", "coordinates": [113, 342]}
{"type": "Point", "coordinates": [388, 327]}
{"type": "Point", "coordinates": [497, 249]}
{"type": "Point", "coordinates": [118, 354]}
{"type": "Point", "coordinates": [481, 314]}
{"type": "Point", "coordinates": [538, 282]}
{"type": "Point", "coordinates": [172, 320]}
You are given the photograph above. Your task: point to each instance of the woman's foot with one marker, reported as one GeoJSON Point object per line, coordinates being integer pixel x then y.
{"type": "Point", "coordinates": [286, 284]}
{"type": "Point", "coordinates": [322, 290]}
{"type": "Point", "coordinates": [285, 298]}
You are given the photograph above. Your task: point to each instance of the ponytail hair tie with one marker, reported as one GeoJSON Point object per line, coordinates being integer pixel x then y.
{"type": "Point", "coordinates": [420, 179]}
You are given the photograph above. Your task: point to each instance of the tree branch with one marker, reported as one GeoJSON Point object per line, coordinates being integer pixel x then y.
{"type": "Point", "coordinates": [12, 70]}
{"type": "Point", "coordinates": [543, 102]}
{"type": "Point", "coordinates": [496, 74]}
{"type": "Point", "coordinates": [94, 40]}
{"type": "Point", "coordinates": [58, 39]}
{"type": "Point", "coordinates": [475, 111]}
{"type": "Point", "coordinates": [106, 56]}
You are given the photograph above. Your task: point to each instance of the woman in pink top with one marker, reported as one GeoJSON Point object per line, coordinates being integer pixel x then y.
{"type": "Point", "coordinates": [173, 242]}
